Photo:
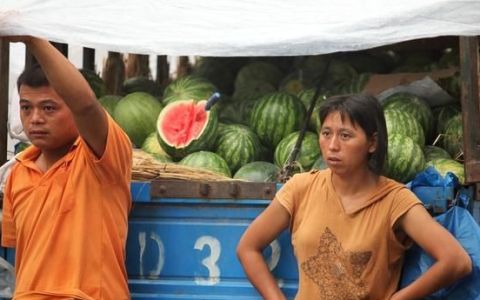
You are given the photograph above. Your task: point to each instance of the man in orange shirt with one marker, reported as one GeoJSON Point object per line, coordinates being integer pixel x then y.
{"type": "Point", "coordinates": [67, 198]}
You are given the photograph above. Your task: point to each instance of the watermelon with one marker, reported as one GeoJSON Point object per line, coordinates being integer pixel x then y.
{"type": "Point", "coordinates": [185, 127]}
{"type": "Point", "coordinates": [151, 146]}
{"type": "Point", "coordinates": [434, 152]}
{"type": "Point", "coordinates": [276, 115]}
{"type": "Point", "coordinates": [306, 97]}
{"type": "Point", "coordinates": [308, 154]}
{"type": "Point", "coordinates": [453, 138]}
{"type": "Point", "coordinates": [416, 106]}
{"type": "Point", "coordinates": [218, 71]}
{"type": "Point", "coordinates": [258, 171]}
{"type": "Point", "coordinates": [238, 145]}
{"type": "Point", "coordinates": [404, 123]}
{"type": "Point", "coordinates": [244, 111]}
{"type": "Point", "coordinates": [444, 165]}
{"type": "Point", "coordinates": [142, 84]}
{"type": "Point", "coordinates": [444, 113]}
{"type": "Point", "coordinates": [353, 86]}
{"type": "Point", "coordinates": [451, 85]}
{"type": "Point", "coordinates": [338, 73]}
{"type": "Point", "coordinates": [319, 164]}
{"type": "Point", "coordinates": [405, 158]}
{"type": "Point", "coordinates": [295, 82]}
{"type": "Point", "coordinates": [137, 114]}
{"type": "Point", "coordinates": [207, 160]}
{"type": "Point", "coordinates": [95, 82]}
{"type": "Point", "coordinates": [228, 112]}
{"type": "Point", "coordinates": [253, 91]}
{"type": "Point", "coordinates": [258, 72]}
{"type": "Point", "coordinates": [109, 102]}
{"type": "Point", "coordinates": [188, 88]}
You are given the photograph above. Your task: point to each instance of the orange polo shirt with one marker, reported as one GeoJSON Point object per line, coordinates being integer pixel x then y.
{"type": "Point", "coordinates": [69, 224]}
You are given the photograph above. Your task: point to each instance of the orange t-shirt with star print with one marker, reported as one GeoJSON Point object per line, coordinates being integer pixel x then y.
{"type": "Point", "coordinates": [345, 254]}
{"type": "Point", "coordinates": [69, 224]}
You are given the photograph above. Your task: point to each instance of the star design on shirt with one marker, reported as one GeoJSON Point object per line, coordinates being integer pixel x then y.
{"type": "Point", "coordinates": [337, 272]}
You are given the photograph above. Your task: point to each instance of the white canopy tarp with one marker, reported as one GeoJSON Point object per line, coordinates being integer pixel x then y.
{"type": "Point", "coordinates": [238, 27]}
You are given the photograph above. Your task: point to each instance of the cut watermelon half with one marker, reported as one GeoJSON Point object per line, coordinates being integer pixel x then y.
{"type": "Point", "coordinates": [185, 127]}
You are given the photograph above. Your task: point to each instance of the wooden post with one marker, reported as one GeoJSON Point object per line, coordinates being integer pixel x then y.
{"type": "Point", "coordinates": [184, 67]}
{"type": "Point", "coordinates": [114, 73]}
{"type": "Point", "coordinates": [163, 72]}
{"type": "Point", "coordinates": [137, 65]}
{"type": "Point", "coordinates": [469, 68]}
{"type": "Point", "coordinates": [4, 77]}
{"type": "Point", "coordinates": [88, 59]}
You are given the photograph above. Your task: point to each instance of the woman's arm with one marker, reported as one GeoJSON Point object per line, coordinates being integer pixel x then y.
{"type": "Point", "coordinates": [452, 262]}
{"type": "Point", "coordinates": [261, 232]}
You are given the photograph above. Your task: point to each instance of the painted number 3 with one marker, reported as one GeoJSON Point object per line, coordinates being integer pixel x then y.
{"type": "Point", "coordinates": [211, 261]}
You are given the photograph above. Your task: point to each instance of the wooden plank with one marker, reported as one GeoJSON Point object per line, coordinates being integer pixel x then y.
{"type": "Point", "coordinates": [88, 62]}
{"type": "Point", "coordinates": [63, 48]}
{"type": "Point", "coordinates": [212, 189]}
{"type": "Point", "coordinates": [4, 77]}
{"type": "Point", "coordinates": [436, 43]}
{"type": "Point", "coordinates": [469, 78]}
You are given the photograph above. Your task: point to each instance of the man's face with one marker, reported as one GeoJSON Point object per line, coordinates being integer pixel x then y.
{"type": "Point", "coordinates": [47, 121]}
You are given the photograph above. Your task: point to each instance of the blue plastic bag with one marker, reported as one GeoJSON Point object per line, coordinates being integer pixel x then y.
{"type": "Point", "coordinates": [465, 229]}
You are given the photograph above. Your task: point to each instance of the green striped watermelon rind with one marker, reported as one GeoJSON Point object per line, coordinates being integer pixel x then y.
{"type": "Point", "coordinates": [405, 158]}
{"type": "Point", "coordinates": [404, 123]}
{"type": "Point", "coordinates": [309, 150]}
{"type": "Point", "coordinates": [415, 105]}
{"type": "Point", "coordinates": [444, 113]}
{"type": "Point", "coordinates": [152, 146]}
{"type": "Point", "coordinates": [238, 145]}
{"type": "Point", "coordinates": [137, 114]}
{"type": "Point", "coordinates": [258, 171]}
{"type": "Point", "coordinates": [434, 152]}
{"type": "Point", "coordinates": [276, 115]}
{"type": "Point", "coordinates": [453, 138]}
{"type": "Point", "coordinates": [207, 160]}
{"type": "Point", "coordinates": [188, 88]}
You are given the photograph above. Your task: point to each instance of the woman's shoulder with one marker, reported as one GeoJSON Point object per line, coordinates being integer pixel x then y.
{"type": "Point", "coordinates": [306, 178]}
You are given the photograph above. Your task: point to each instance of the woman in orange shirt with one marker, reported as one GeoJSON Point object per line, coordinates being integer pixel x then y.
{"type": "Point", "coordinates": [350, 225]}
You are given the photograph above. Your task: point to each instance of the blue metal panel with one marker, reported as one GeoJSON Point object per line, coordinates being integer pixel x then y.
{"type": "Point", "coordinates": [185, 249]}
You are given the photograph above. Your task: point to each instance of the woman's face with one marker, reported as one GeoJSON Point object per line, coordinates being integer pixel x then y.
{"type": "Point", "coordinates": [344, 145]}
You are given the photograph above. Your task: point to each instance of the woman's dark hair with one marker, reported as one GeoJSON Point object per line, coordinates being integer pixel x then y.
{"type": "Point", "coordinates": [367, 112]}
{"type": "Point", "coordinates": [32, 76]}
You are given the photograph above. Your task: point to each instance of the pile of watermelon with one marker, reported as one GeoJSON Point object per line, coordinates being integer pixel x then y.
{"type": "Point", "coordinates": [250, 133]}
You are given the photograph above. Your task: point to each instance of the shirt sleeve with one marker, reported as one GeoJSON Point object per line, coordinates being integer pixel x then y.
{"type": "Point", "coordinates": [402, 202]}
{"type": "Point", "coordinates": [8, 226]}
{"type": "Point", "coordinates": [117, 158]}
{"type": "Point", "coordinates": [291, 192]}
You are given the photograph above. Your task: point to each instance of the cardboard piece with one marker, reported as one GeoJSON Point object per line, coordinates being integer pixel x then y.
{"type": "Point", "coordinates": [420, 84]}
